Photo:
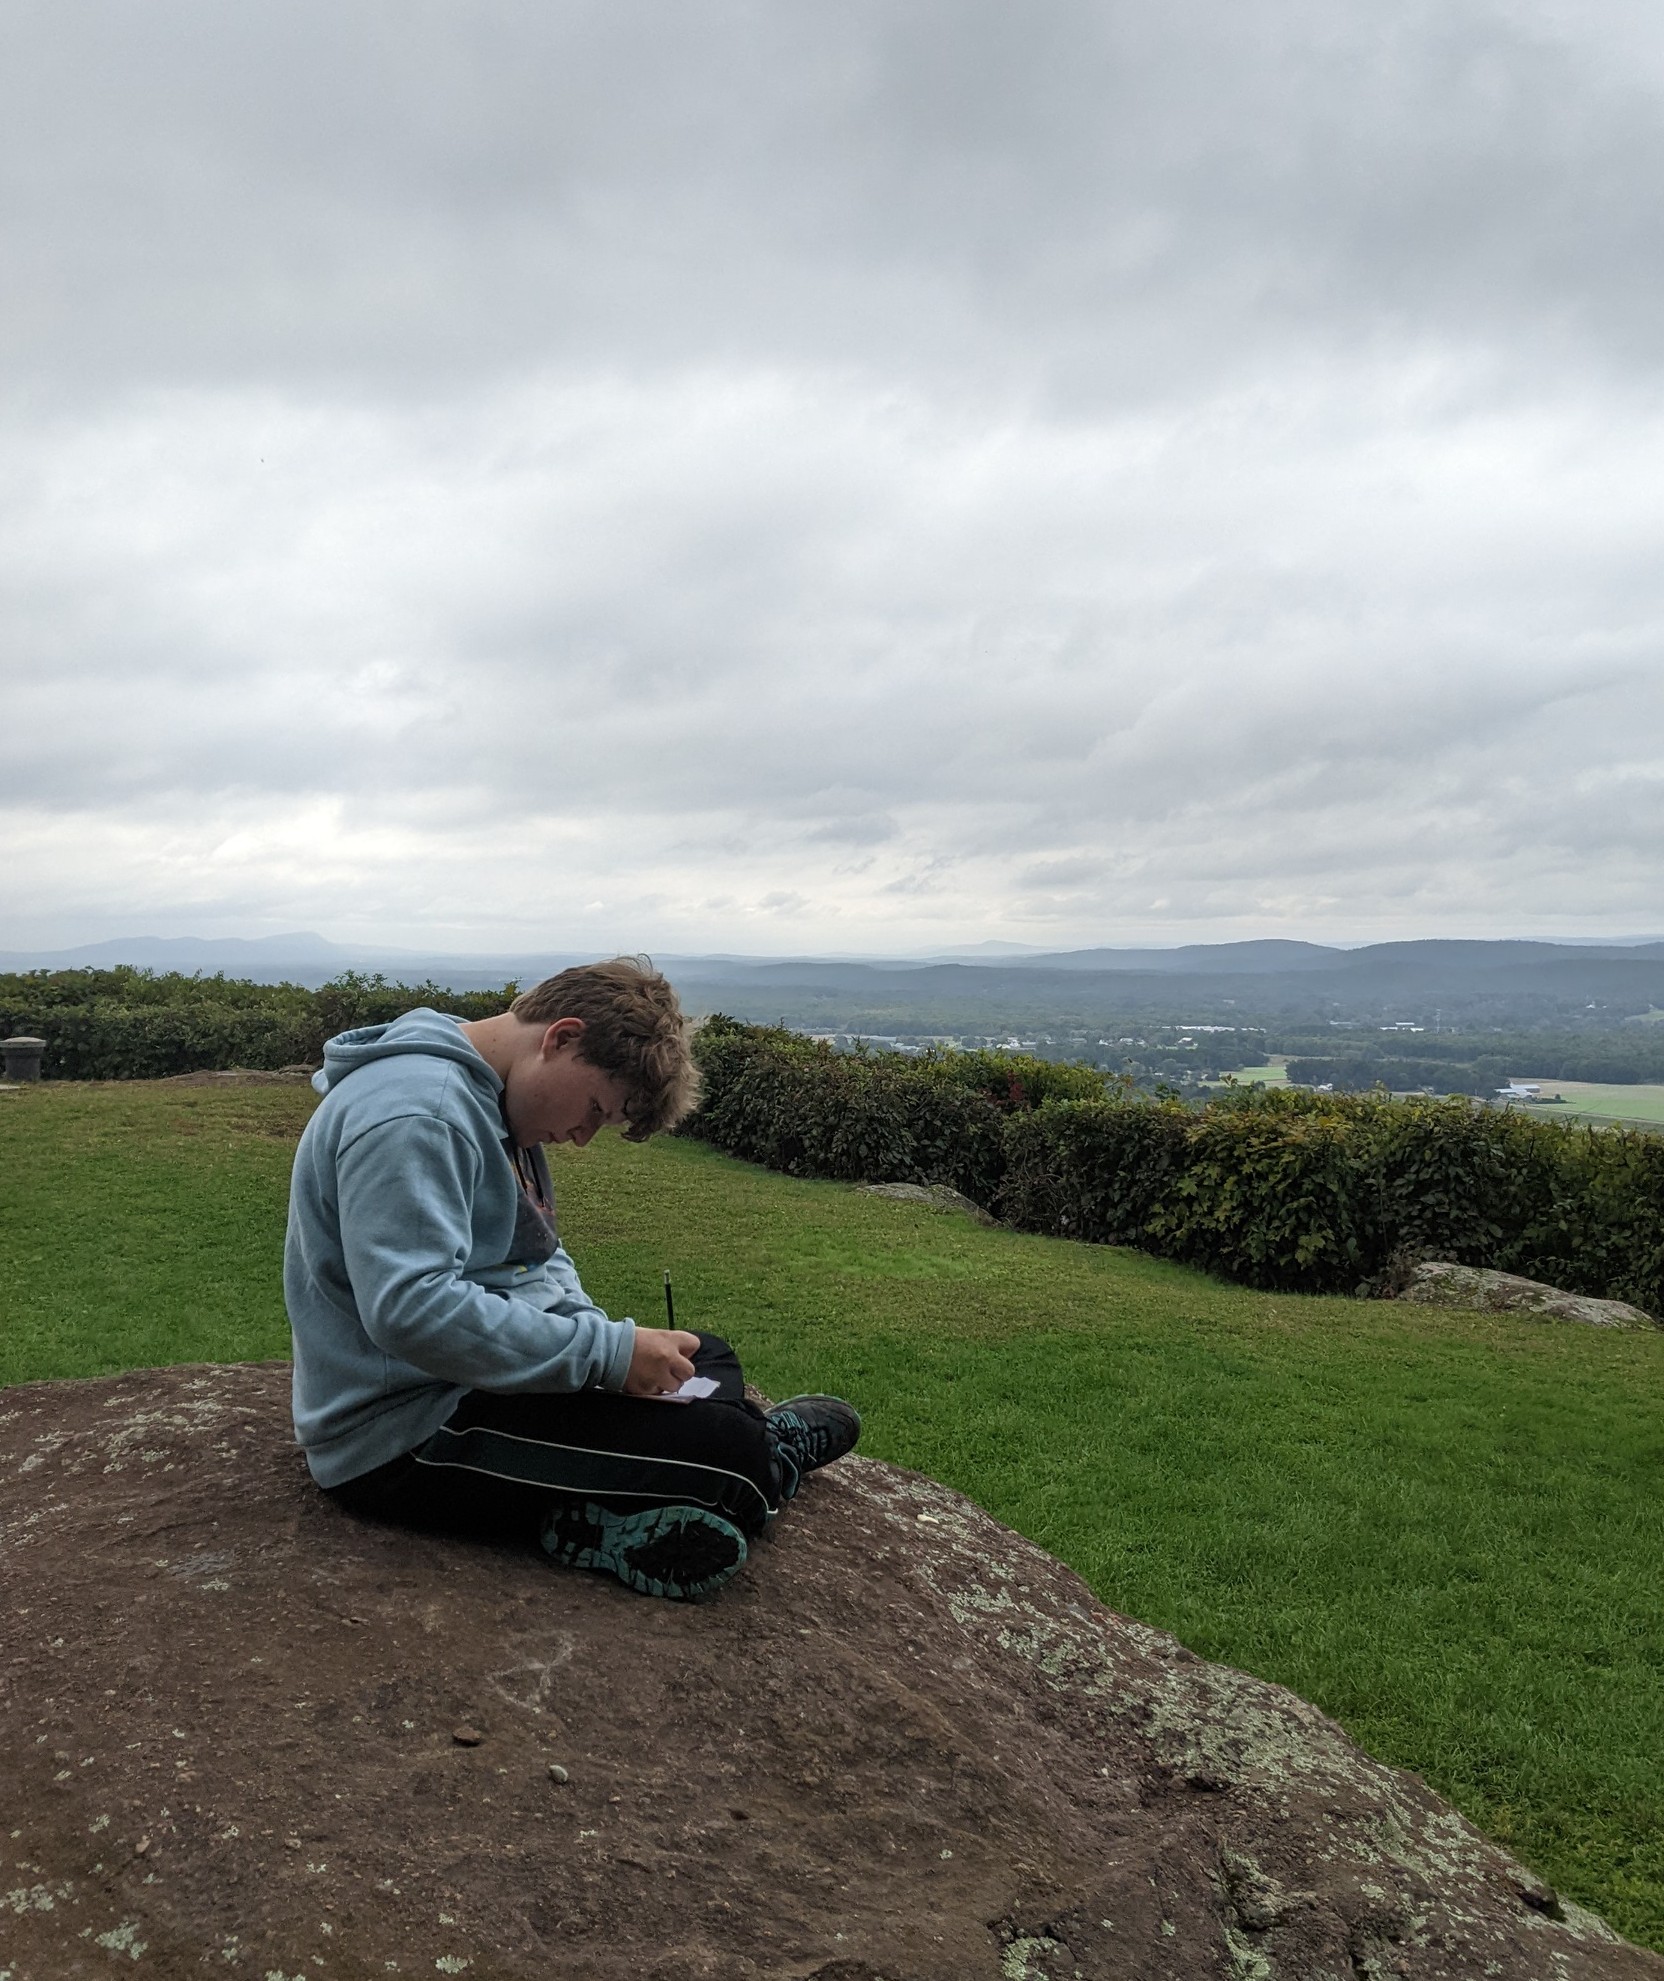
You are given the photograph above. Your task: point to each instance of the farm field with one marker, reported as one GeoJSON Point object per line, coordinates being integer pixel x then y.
{"type": "Point", "coordinates": [1273, 1075]}
{"type": "Point", "coordinates": [1635, 1106]}
{"type": "Point", "coordinates": [1441, 1527]}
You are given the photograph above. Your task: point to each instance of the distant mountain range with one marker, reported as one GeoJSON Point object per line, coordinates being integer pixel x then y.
{"type": "Point", "coordinates": [1279, 983]}
{"type": "Point", "coordinates": [302, 958]}
{"type": "Point", "coordinates": [1271, 955]}
{"type": "Point", "coordinates": [990, 985]}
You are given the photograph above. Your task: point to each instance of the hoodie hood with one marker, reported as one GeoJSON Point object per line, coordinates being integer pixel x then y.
{"type": "Point", "coordinates": [434, 1033]}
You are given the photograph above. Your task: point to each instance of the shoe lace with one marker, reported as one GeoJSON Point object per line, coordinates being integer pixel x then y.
{"type": "Point", "coordinates": [810, 1441]}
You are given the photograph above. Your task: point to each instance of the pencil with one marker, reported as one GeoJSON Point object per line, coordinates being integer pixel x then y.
{"type": "Point", "coordinates": [669, 1301]}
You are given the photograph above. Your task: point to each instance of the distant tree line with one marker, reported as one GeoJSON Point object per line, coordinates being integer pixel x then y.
{"type": "Point", "coordinates": [1434, 1076]}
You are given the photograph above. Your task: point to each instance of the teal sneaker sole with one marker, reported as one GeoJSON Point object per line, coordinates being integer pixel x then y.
{"type": "Point", "coordinates": [681, 1552]}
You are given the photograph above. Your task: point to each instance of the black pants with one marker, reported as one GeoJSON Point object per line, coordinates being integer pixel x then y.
{"type": "Point", "coordinates": [500, 1464]}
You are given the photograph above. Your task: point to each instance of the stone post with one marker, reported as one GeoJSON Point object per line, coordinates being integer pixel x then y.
{"type": "Point", "coordinates": [22, 1058]}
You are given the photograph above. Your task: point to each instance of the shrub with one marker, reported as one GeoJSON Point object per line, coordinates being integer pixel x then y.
{"type": "Point", "coordinates": [1454, 1181]}
{"type": "Point", "coordinates": [1600, 1227]}
{"type": "Point", "coordinates": [1290, 1191]}
{"type": "Point", "coordinates": [127, 1024]}
{"type": "Point", "coordinates": [1270, 1193]}
{"type": "Point", "coordinates": [794, 1104]}
{"type": "Point", "coordinates": [1014, 1079]}
{"type": "Point", "coordinates": [1097, 1170]}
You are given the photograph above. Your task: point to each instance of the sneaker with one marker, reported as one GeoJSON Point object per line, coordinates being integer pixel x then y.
{"type": "Point", "coordinates": [683, 1552]}
{"type": "Point", "coordinates": [808, 1432]}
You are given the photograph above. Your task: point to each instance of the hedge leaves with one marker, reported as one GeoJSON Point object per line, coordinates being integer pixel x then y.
{"type": "Point", "coordinates": [1289, 1191]}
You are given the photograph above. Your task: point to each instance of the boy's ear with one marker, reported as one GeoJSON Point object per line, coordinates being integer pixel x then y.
{"type": "Point", "coordinates": [563, 1032]}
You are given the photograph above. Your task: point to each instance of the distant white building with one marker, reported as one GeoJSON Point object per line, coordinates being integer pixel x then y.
{"type": "Point", "coordinates": [1520, 1090]}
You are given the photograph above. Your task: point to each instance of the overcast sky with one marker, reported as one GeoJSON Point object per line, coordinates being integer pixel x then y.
{"type": "Point", "coordinates": [843, 477]}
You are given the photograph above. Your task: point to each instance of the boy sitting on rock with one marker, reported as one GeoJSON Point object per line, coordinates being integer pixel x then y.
{"type": "Point", "coordinates": [450, 1370]}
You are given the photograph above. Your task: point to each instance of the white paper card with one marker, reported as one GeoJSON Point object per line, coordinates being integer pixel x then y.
{"type": "Point", "coordinates": [695, 1386]}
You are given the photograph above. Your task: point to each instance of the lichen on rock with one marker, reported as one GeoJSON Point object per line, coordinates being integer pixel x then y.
{"type": "Point", "coordinates": [1440, 1283]}
{"type": "Point", "coordinates": [904, 1745]}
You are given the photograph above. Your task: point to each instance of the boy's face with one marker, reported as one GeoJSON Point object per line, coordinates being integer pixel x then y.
{"type": "Point", "coordinates": [553, 1094]}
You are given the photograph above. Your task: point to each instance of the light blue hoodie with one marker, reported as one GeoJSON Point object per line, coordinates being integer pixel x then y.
{"type": "Point", "coordinates": [413, 1271]}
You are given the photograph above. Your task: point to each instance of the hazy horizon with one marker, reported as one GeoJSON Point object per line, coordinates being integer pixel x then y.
{"type": "Point", "coordinates": [308, 943]}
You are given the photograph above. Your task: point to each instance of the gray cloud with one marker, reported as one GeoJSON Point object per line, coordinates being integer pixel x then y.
{"type": "Point", "coordinates": [879, 474]}
{"type": "Point", "coordinates": [1089, 198]}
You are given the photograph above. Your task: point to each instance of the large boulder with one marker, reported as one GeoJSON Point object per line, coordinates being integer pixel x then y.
{"type": "Point", "coordinates": [1440, 1283]}
{"type": "Point", "coordinates": [244, 1734]}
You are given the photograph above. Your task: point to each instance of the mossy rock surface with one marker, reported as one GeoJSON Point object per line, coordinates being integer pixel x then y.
{"type": "Point", "coordinates": [1440, 1283]}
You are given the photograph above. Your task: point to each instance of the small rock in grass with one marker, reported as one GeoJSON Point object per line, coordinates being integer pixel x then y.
{"type": "Point", "coordinates": [467, 1736]}
{"type": "Point", "coordinates": [934, 1196]}
{"type": "Point", "coordinates": [557, 1773]}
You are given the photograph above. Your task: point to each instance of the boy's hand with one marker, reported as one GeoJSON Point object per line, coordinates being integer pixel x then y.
{"type": "Point", "coordinates": [662, 1361]}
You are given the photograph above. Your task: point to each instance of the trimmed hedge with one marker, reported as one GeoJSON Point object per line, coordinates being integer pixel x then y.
{"type": "Point", "coordinates": [1292, 1191]}
{"type": "Point", "coordinates": [1288, 1191]}
{"type": "Point", "coordinates": [127, 1024]}
{"type": "Point", "coordinates": [791, 1103]}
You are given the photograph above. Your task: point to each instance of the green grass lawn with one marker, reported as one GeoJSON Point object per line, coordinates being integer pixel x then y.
{"type": "Point", "coordinates": [1273, 1074]}
{"type": "Point", "coordinates": [1443, 1528]}
{"type": "Point", "coordinates": [1637, 1106]}
{"type": "Point", "coordinates": [1583, 1100]}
